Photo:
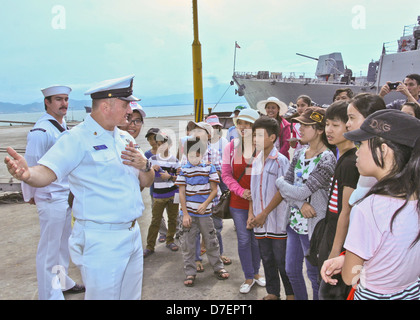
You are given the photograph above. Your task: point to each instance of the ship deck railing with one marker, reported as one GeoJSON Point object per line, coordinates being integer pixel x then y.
{"type": "Point", "coordinates": [300, 79]}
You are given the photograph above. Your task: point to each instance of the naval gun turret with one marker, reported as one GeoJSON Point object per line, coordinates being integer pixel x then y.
{"type": "Point", "coordinates": [330, 67]}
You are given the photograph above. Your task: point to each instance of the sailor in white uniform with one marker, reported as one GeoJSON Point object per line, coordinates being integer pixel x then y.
{"type": "Point", "coordinates": [52, 258]}
{"type": "Point", "coordinates": [105, 172]}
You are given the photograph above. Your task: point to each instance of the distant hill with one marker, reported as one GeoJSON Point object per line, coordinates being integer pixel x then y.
{"type": "Point", "coordinates": [7, 107]}
{"type": "Point", "coordinates": [211, 95]}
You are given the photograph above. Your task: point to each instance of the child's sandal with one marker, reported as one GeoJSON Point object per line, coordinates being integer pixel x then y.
{"type": "Point", "coordinates": [199, 266]}
{"type": "Point", "coordinates": [190, 280]}
{"type": "Point", "coordinates": [219, 274]}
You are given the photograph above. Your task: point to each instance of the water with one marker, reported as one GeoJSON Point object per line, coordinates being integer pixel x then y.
{"type": "Point", "coordinates": [156, 111]}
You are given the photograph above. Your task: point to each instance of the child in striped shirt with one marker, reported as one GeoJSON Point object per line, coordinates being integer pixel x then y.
{"type": "Point", "coordinates": [165, 166]}
{"type": "Point", "coordinates": [197, 182]}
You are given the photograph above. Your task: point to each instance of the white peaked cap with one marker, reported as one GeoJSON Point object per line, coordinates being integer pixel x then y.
{"type": "Point", "coordinates": [121, 88]}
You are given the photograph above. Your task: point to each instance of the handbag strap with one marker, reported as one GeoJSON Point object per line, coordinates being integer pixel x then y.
{"type": "Point", "coordinates": [247, 166]}
{"type": "Point", "coordinates": [243, 173]}
{"type": "Point", "coordinates": [231, 159]}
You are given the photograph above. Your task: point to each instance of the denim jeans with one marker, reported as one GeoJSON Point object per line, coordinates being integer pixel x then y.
{"type": "Point", "coordinates": [297, 246]}
{"type": "Point", "coordinates": [249, 253]}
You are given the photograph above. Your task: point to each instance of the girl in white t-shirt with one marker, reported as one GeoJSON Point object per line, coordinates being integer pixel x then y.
{"type": "Point", "coordinates": [382, 245]}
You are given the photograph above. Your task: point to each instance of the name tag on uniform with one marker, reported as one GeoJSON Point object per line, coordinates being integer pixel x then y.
{"type": "Point", "coordinates": [101, 147]}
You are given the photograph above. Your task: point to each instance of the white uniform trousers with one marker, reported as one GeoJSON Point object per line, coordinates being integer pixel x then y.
{"type": "Point", "coordinates": [110, 259]}
{"type": "Point", "coordinates": [52, 258]}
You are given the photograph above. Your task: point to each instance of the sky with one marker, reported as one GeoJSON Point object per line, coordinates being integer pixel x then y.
{"type": "Point", "coordinates": [82, 42]}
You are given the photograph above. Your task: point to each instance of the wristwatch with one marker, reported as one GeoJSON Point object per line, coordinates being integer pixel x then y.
{"type": "Point", "coordinates": [148, 166]}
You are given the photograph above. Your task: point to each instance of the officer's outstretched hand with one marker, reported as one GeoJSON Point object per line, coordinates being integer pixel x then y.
{"type": "Point", "coordinates": [17, 165]}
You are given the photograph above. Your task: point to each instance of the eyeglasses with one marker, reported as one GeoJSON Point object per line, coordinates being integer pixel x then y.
{"type": "Point", "coordinates": [137, 122]}
{"type": "Point", "coordinates": [357, 144]}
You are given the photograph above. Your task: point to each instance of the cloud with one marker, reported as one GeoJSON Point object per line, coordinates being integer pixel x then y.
{"type": "Point", "coordinates": [152, 39]}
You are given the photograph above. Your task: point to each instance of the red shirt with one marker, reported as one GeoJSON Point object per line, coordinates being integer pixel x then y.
{"type": "Point", "coordinates": [238, 168]}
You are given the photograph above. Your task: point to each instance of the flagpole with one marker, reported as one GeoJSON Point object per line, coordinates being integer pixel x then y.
{"type": "Point", "coordinates": [234, 58]}
{"type": "Point", "coordinates": [197, 69]}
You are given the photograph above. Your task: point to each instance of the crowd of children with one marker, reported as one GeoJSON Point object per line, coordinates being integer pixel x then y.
{"type": "Point", "coordinates": [317, 209]}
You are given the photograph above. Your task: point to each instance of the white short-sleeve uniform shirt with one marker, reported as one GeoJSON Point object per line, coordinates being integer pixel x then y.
{"type": "Point", "coordinates": [105, 190]}
{"type": "Point", "coordinates": [39, 140]}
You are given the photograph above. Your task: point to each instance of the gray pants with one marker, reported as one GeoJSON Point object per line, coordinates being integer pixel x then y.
{"type": "Point", "coordinates": [188, 242]}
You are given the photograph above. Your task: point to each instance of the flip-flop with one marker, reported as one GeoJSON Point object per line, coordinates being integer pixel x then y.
{"type": "Point", "coordinates": [199, 266]}
{"type": "Point", "coordinates": [162, 238]}
{"type": "Point", "coordinates": [189, 278]}
{"type": "Point", "coordinates": [226, 261]}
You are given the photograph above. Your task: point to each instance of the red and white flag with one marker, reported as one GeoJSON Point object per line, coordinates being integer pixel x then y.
{"type": "Point", "coordinates": [237, 45]}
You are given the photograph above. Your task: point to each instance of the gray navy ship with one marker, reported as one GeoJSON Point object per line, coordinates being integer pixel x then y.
{"type": "Point", "coordinates": [331, 74]}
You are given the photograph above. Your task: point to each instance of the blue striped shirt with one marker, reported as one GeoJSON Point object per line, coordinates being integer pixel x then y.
{"type": "Point", "coordinates": [196, 180]}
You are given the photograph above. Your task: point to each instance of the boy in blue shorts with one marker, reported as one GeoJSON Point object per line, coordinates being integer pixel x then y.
{"type": "Point", "coordinates": [197, 182]}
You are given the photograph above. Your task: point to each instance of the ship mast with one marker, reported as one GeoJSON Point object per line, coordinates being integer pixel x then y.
{"type": "Point", "coordinates": [197, 69]}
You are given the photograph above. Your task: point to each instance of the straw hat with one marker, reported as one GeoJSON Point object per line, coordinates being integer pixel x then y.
{"type": "Point", "coordinates": [282, 106]}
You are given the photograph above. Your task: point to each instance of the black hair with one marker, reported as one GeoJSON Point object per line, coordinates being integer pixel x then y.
{"type": "Point", "coordinates": [414, 76]}
{"type": "Point", "coordinates": [415, 107]}
{"type": "Point", "coordinates": [319, 126]}
{"type": "Point", "coordinates": [49, 99]}
{"type": "Point", "coordinates": [403, 181]}
{"type": "Point", "coordinates": [159, 137]}
{"type": "Point", "coordinates": [195, 144]}
{"type": "Point", "coordinates": [337, 111]}
{"type": "Point", "coordinates": [141, 116]}
{"type": "Point", "coordinates": [305, 99]}
{"type": "Point", "coordinates": [269, 124]}
{"type": "Point", "coordinates": [367, 103]}
{"type": "Point", "coordinates": [348, 91]}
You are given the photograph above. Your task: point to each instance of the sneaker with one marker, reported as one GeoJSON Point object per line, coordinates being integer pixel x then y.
{"type": "Point", "coordinates": [245, 287]}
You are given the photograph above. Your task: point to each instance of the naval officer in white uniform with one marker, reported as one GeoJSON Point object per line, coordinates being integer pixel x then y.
{"type": "Point", "coordinates": [105, 172]}
{"type": "Point", "coordinates": [52, 258]}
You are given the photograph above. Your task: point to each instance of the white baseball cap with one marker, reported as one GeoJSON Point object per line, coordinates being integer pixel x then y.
{"type": "Point", "coordinates": [249, 115]}
{"type": "Point", "coordinates": [135, 106]}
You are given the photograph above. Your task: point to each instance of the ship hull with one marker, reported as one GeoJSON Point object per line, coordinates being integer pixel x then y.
{"type": "Point", "coordinates": [322, 94]}
{"type": "Point", "coordinates": [393, 67]}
